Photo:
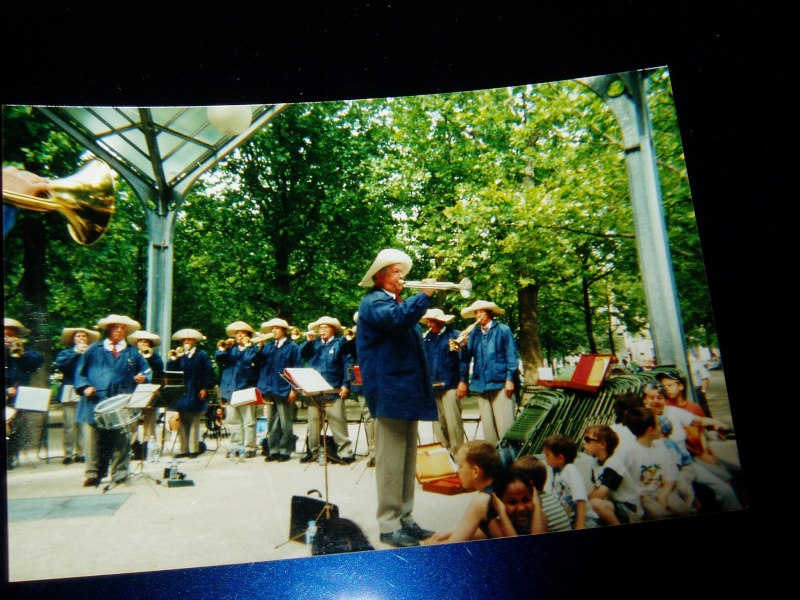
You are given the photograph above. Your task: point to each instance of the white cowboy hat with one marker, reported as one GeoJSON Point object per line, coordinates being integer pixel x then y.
{"type": "Point", "coordinates": [155, 340]}
{"type": "Point", "coordinates": [16, 325]}
{"type": "Point", "coordinates": [188, 333]}
{"type": "Point", "coordinates": [68, 333]}
{"type": "Point", "coordinates": [469, 312]}
{"type": "Point", "coordinates": [267, 325]}
{"type": "Point", "coordinates": [325, 321]}
{"type": "Point", "coordinates": [129, 323]}
{"type": "Point", "coordinates": [437, 314]}
{"type": "Point", "coordinates": [238, 326]}
{"type": "Point", "coordinates": [384, 259]}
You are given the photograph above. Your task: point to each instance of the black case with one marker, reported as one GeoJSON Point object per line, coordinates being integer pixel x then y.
{"type": "Point", "coordinates": [305, 509]}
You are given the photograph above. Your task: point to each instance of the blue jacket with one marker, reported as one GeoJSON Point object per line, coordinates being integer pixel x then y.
{"type": "Point", "coordinates": [494, 355]}
{"type": "Point", "coordinates": [236, 370]}
{"type": "Point", "coordinates": [198, 375]}
{"type": "Point", "coordinates": [394, 371]}
{"type": "Point", "coordinates": [329, 359]}
{"type": "Point", "coordinates": [444, 365]}
{"type": "Point", "coordinates": [271, 361]}
{"type": "Point", "coordinates": [19, 370]}
{"type": "Point", "coordinates": [98, 368]}
{"type": "Point", "coordinates": [66, 362]}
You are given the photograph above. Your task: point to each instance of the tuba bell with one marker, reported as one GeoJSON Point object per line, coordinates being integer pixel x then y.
{"type": "Point", "coordinates": [86, 198]}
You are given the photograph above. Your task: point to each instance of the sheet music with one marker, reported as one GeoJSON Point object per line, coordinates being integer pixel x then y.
{"type": "Point", "coordinates": [31, 398]}
{"type": "Point", "coordinates": [143, 395]}
{"type": "Point", "coordinates": [309, 380]}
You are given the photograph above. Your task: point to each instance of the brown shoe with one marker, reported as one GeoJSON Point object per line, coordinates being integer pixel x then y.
{"type": "Point", "coordinates": [91, 482]}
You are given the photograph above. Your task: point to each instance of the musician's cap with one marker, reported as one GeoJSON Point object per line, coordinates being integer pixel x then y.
{"type": "Point", "coordinates": [267, 325]}
{"type": "Point", "coordinates": [469, 312]}
{"type": "Point", "coordinates": [68, 333]}
{"type": "Point", "coordinates": [154, 339]}
{"type": "Point", "coordinates": [183, 334]}
{"type": "Point", "coordinates": [129, 323]}
{"type": "Point", "coordinates": [384, 259]}
{"type": "Point", "coordinates": [355, 317]}
{"type": "Point", "coordinates": [238, 326]}
{"type": "Point", "coordinates": [16, 325]}
{"type": "Point", "coordinates": [436, 314]}
{"type": "Point", "coordinates": [325, 321]}
{"type": "Point", "coordinates": [674, 375]}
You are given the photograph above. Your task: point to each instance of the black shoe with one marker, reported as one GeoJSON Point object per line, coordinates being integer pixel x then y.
{"type": "Point", "coordinates": [417, 532]}
{"type": "Point", "coordinates": [120, 481]}
{"type": "Point", "coordinates": [270, 458]}
{"type": "Point", "coordinates": [250, 454]}
{"type": "Point", "coordinates": [347, 460]}
{"type": "Point", "coordinates": [79, 459]}
{"type": "Point", "coordinates": [399, 539]}
{"type": "Point", "coordinates": [310, 457]}
{"type": "Point", "coordinates": [283, 457]}
{"type": "Point", "coordinates": [67, 460]}
{"type": "Point", "coordinates": [181, 455]}
{"type": "Point", "coordinates": [91, 482]}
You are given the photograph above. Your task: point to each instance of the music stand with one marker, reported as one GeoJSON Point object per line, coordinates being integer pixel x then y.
{"type": "Point", "coordinates": [312, 385]}
{"type": "Point", "coordinates": [31, 400]}
{"type": "Point", "coordinates": [172, 387]}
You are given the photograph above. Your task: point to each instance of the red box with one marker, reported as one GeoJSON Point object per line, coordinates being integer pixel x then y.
{"type": "Point", "coordinates": [590, 372]}
{"type": "Point", "coordinates": [446, 485]}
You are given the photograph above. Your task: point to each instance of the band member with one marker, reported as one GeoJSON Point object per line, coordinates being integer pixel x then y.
{"type": "Point", "coordinates": [21, 363]}
{"type": "Point", "coordinates": [398, 389]}
{"type": "Point", "coordinates": [145, 342]}
{"type": "Point", "coordinates": [198, 378]}
{"type": "Point", "coordinates": [495, 362]}
{"type": "Point", "coordinates": [21, 360]}
{"type": "Point", "coordinates": [107, 369]}
{"type": "Point", "coordinates": [446, 369]}
{"type": "Point", "coordinates": [78, 339]}
{"type": "Point", "coordinates": [325, 355]}
{"type": "Point", "coordinates": [356, 392]}
{"type": "Point", "coordinates": [271, 360]}
{"type": "Point", "coordinates": [235, 358]}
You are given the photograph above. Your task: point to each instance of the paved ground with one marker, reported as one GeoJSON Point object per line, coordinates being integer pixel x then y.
{"type": "Point", "coordinates": [236, 511]}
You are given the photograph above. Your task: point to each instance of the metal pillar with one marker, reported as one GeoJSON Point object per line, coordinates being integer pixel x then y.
{"type": "Point", "coordinates": [625, 94]}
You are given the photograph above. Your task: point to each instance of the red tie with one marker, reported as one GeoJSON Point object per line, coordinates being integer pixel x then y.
{"type": "Point", "coordinates": [114, 350]}
{"type": "Point", "coordinates": [398, 298]}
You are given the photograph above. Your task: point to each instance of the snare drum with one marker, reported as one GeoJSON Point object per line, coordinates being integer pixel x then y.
{"type": "Point", "coordinates": [114, 414]}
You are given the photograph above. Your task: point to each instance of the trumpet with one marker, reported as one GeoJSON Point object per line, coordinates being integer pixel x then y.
{"type": "Point", "coordinates": [456, 344]}
{"type": "Point", "coordinates": [260, 338]}
{"type": "Point", "coordinates": [176, 353]}
{"type": "Point", "coordinates": [146, 352]}
{"type": "Point", "coordinates": [464, 286]}
{"type": "Point", "coordinates": [295, 333]}
{"type": "Point", "coordinates": [224, 345]}
{"type": "Point", "coordinates": [349, 333]}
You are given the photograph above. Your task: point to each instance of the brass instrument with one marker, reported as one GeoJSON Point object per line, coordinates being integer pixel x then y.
{"type": "Point", "coordinates": [247, 342]}
{"type": "Point", "coordinates": [349, 333]}
{"type": "Point", "coordinates": [86, 199]}
{"type": "Point", "coordinates": [295, 333]}
{"type": "Point", "coordinates": [16, 347]}
{"type": "Point", "coordinates": [456, 344]}
{"type": "Point", "coordinates": [146, 352]}
{"type": "Point", "coordinates": [224, 345]}
{"type": "Point", "coordinates": [81, 348]}
{"type": "Point", "coordinates": [177, 352]}
{"type": "Point", "coordinates": [260, 338]}
{"type": "Point", "coordinates": [464, 286]}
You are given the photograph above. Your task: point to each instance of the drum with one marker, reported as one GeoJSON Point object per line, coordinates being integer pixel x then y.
{"type": "Point", "coordinates": [113, 414]}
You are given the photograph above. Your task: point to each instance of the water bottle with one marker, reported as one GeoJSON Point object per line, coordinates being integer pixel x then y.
{"type": "Point", "coordinates": [152, 449]}
{"type": "Point", "coordinates": [311, 531]}
{"type": "Point", "coordinates": [173, 470]}
{"type": "Point", "coordinates": [321, 456]}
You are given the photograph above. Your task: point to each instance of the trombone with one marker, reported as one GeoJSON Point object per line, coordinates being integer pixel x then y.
{"type": "Point", "coordinates": [259, 339]}
{"type": "Point", "coordinates": [464, 286]}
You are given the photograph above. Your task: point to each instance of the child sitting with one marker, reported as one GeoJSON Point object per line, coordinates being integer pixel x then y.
{"type": "Point", "coordinates": [522, 505]}
{"type": "Point", "coordinates": [568, 485]}
{"type": "Point", "coordinates": [555, 515]}
{"type": "Point", "coordinates": [478, 465]}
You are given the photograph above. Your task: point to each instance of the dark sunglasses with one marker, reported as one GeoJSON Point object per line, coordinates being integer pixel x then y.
{"type": "Point", "coordinates": [587, 439]}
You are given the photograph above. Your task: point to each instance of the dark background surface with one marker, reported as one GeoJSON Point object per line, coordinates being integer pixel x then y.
{"type": "Point", "coordinates": [729, 71]}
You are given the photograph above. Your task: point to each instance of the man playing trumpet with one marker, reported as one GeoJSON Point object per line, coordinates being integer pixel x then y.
{"type": "Point", "coordinates": [144, 341]}
{"type": "Point", "coordinates": [78, 340]}
{"type": "Point", "coordinates": [235, 357]}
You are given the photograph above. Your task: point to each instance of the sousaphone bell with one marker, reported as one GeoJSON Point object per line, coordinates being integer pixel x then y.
{"type": "Point", "coordinates": [86, 198]}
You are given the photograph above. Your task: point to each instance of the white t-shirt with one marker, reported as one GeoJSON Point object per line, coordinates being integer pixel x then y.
{"type": "Point", "coordinates": [569, 488]}
{"type": "Point", "coordinates": [650, 467]}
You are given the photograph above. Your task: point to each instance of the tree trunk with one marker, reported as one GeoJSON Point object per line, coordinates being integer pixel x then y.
{"type": "Point", "coordinates": [530, 347]}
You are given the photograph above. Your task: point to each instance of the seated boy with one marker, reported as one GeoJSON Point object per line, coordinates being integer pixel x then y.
{"type": "Point", "coordinates": [478, 465]}
{"type": "Point", "coordinates": [560, 452]}
{"type": "Point", "coordinates": [554, 513]}
{"type": "Point", "coordinates": [615, 497]}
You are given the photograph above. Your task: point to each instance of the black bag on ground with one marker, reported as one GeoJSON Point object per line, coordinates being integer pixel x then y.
{"type": "Point", "coordinates": [305, 509]}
